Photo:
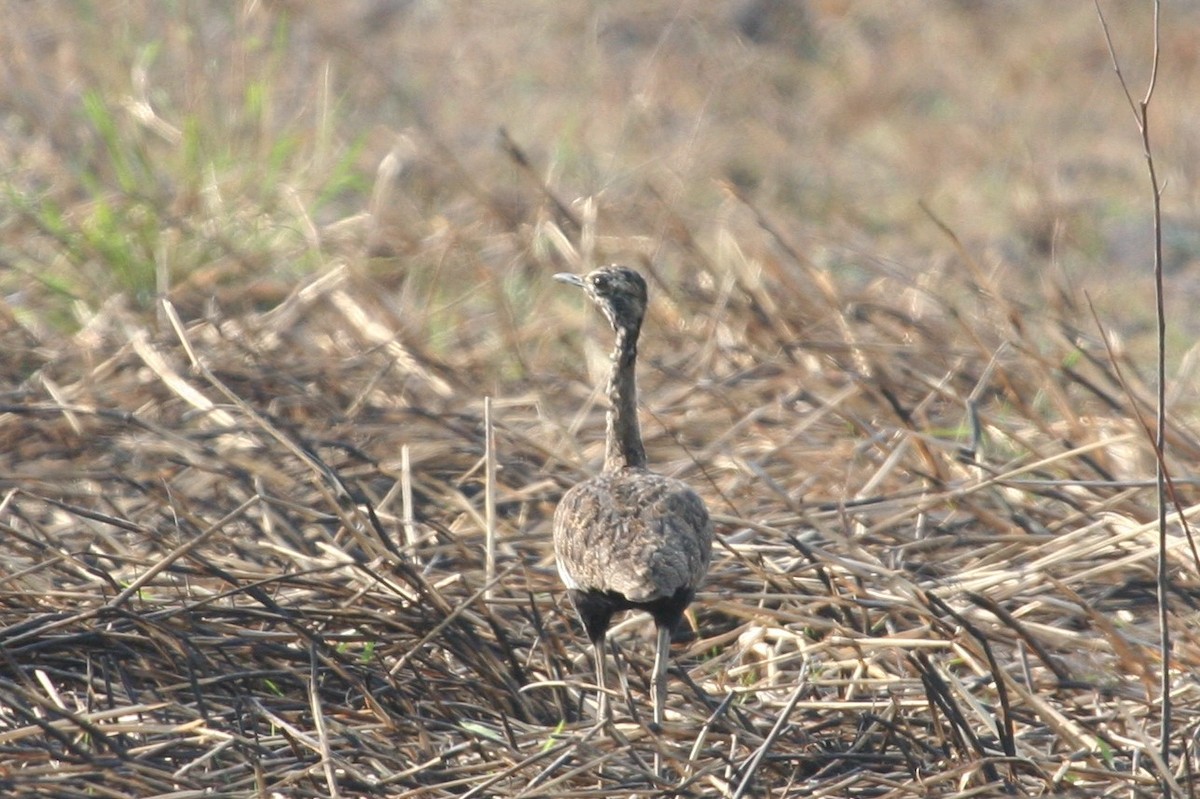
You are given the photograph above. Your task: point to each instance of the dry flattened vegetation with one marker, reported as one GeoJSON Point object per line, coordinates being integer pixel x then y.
{"type": "Point", "coordinates": [262, 263]}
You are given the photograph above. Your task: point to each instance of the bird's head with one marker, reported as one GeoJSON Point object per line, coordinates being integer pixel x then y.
{"type": "Point", "coordinates": [618, 291]}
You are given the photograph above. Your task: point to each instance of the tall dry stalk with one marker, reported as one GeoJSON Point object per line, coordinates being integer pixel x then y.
{"type": "Point", "coordinates": [1141, 115]}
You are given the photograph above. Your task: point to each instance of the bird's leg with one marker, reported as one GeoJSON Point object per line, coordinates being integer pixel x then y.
{"type": "Point", "coordinates": [658, 688]}
{"type": "Point", "coordinates": [603, 713]}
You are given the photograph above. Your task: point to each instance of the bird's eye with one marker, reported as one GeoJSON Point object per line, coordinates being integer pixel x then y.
{"type": "Point", "coordinates": [601, 281]}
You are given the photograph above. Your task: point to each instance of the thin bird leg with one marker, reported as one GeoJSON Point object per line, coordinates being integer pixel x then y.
{"type": "Point", "coordinates": [603, 713]}
{"type": "Point", "coordinates": [659, 687]}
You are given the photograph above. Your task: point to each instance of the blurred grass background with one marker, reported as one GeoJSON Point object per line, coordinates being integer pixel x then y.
{"type": "Point", "coordinates": [227, 150]}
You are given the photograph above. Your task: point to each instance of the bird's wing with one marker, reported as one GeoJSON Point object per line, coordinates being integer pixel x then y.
{"type": "Point", "coordinates": [643, 538]}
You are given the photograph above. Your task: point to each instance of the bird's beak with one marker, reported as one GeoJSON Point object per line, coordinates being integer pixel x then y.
{"type": "Point", "coordinates": [567, 277]}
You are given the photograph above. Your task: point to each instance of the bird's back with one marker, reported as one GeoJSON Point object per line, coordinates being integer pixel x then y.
{"type": "Point", "coordinates": [634, 532]}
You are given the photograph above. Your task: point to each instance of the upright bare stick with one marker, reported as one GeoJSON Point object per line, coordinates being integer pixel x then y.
{"type": "Point", "coordinates": [489, 494]}
{"type": "Point", "coordinates": [1141, 110]}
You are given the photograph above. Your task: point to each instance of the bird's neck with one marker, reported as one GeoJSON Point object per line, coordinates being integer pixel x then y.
{"type": "Point", "coordinates": [623, 448]}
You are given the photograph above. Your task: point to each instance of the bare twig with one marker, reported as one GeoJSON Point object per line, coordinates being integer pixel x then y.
{"type": "Point", "coordinates": [1141, 112]}
{"type": "Point", "coordinates": [489, 496]}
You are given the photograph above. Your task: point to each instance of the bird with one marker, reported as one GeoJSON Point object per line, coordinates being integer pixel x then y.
{"type": "Point", "coordinates": [628, 538]}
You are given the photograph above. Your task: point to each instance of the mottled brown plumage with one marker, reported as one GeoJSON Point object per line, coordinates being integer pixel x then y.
{"type": "Point", "coordinates": [629, 539]}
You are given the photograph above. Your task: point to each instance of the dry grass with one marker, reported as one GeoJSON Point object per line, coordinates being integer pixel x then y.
{"type": "Point", "coordinates": [935, 569]}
